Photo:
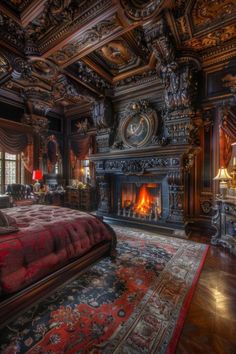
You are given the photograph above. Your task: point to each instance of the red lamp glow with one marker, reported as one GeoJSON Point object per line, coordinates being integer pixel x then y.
{"type": "Point", "coordinates": [37, 175]}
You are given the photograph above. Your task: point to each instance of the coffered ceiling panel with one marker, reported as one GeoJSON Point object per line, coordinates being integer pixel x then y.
{"type": "Point", "coordinates": [206, 13]}
{"type": "Point", "coordinates": [100, 45]}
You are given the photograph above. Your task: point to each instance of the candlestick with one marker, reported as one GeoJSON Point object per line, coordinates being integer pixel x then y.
{"type": "Point", "coordinates": [234, 161]}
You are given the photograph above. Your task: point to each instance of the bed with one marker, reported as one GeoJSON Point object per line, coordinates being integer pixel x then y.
{"type": "Point", "coordinates": [45, 246]}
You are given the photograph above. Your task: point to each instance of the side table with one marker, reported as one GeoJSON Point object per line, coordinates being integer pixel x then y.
{"type": "Point", "coordinates": [224, 222]}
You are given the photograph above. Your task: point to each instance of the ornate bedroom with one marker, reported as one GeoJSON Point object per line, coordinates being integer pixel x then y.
{"type": "Point", "coordinates": [117, 176]}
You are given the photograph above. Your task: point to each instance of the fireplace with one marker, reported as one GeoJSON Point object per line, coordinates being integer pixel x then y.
{"type": "Point", "coordinates": [150, 189]}
{"type": "Point", "coordinates": [140, 200]}
{"type": "Point", "coordinates": [144, 168]}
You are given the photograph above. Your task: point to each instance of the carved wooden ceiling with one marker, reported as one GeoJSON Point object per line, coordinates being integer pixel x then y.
{"type": "Point", "coordinates": [73, 50]}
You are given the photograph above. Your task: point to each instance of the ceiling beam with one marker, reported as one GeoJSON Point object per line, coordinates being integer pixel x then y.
{"type": "Point", "coordinates": [80, 31]}
{"type": "Point", "coordinates": [32, 11]}
{"type": "Point", "coordinates": [100, 44]}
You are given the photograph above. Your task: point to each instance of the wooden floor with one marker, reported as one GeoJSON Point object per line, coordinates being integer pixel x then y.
{"type": "Point", "coordinates": [210, 325]}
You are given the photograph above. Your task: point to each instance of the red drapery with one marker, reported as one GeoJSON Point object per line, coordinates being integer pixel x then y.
{"type": "Point", "coordinates": [80, 146]}
{"type": "Point", "coordinates": [16, 143]}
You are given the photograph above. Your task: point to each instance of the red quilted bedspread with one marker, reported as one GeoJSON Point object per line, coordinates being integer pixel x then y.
{"type": "Point", "coordinates": [49, 237]}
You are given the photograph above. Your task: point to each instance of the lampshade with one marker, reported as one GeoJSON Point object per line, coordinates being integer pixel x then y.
{"type": "Point", "coordinates": [37, 174]}
{"type": "Point", "coordinates": [222, 175]}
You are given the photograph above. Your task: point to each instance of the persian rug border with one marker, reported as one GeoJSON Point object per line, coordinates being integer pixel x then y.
{"type": "Point", "coordinates": [185, 307]}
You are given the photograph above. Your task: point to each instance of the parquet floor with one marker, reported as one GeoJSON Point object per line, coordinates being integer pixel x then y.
{"type": "Point", "coordinates": [210, 325]}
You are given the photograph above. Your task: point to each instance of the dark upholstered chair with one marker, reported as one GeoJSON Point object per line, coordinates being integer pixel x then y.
{"type": "Point", "coordinates": [21, 194]}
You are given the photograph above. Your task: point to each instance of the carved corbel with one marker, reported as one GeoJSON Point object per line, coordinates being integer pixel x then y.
{"type": "Point", "coordinates": [103, 121]}
{"type": "Point", "coordinates": [37, 104]}
{"type": "Point", "coordinates": [160, 42]}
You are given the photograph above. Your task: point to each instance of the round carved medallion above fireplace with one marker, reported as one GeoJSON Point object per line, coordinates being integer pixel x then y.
{"type": "Point", "coordinates": [139, 124]}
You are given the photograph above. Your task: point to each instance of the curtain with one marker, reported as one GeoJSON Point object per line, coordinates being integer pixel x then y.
{"type": "Point", "coordinates": [80, 146]}
{"type": "Point", "coordinates": [13, 142]}
{"type": "Point", "coordinates": [227, 133]}
{"type": "Point", "coordinates": [27, 155]}
{"type": "Point", "coordinates": [225, 148]}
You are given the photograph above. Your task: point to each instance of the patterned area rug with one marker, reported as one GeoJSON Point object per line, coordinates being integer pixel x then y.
{"type": "Point", "coordinates": [133, 304]}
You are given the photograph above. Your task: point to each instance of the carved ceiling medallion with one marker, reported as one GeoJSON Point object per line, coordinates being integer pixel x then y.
{"type": "Point", "coordinates": [208, 11]}
{"type": "Point", "coordinates": [138, 125]}
{"type": "Point", "coordinates": [117, 52]}
{"type": "Point", "coordinates": [44, 68]}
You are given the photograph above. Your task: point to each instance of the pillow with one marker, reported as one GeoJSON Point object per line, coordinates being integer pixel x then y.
{"type": "Point", "coordinates": [7, 224]}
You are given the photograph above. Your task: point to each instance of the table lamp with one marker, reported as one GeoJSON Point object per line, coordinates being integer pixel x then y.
{"type": "Point", "coordinates": [37, 175]}
{"type": "Point", "coordinates": [223, 176]}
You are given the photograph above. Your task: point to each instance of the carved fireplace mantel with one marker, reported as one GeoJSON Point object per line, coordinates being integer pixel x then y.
{"type": "Point", "coordinates": [166, 166]}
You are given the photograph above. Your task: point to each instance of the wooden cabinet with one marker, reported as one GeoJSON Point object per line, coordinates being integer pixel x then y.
{"type": "Point", "coordinates": [224, 221]}
{"type": "Point", "coordinates": [82, 199]}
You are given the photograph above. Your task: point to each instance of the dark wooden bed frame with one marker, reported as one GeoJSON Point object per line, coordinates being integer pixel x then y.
{"type": "Point", "coordinates": [13, 305]}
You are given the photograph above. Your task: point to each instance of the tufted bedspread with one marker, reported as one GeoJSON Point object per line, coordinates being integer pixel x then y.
{"type": "Point", "coordinates": [48, 238]}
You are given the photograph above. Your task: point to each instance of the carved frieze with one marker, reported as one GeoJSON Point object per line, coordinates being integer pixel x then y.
{"type": "Point", "coordinates": [141, 10]}
{"type": "Point", "coordinates": [87, 39]}
{"type": "Point", "coordinates": [88, 75]}
{"type": "Point", "coordinates": [146, 76]}
{"type": "Point", "coordinates": [64, 91]}
{"type": "Point", "coordinates": [213, 39]}
{"type": "Point", "coordinates": [139, 166]}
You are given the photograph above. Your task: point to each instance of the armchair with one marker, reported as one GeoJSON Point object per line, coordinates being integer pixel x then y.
{"type": "Point", "coordinates": [21, 194]}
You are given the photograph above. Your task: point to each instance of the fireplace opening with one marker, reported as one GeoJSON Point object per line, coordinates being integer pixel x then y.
{"type": "Point", "coordinates": [140, 201]}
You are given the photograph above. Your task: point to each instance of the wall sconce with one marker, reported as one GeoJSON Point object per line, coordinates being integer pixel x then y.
{"type": "Point", "coordinates": [223, 176]}
{"type": "Point", "coordinates": [37, 175]}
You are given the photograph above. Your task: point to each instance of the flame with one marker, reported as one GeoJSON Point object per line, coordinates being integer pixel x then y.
{"type": "Point", "coordinates": [145, 201]}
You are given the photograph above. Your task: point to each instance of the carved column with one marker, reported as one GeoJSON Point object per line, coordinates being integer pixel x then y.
{"type": "Point", "coordinates": [104, 193]}
{"type": "Point", "coordinates": [176, 197]}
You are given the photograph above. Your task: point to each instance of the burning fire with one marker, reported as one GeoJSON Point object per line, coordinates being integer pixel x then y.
{"type": "Point", "coordinates": [145, 201]}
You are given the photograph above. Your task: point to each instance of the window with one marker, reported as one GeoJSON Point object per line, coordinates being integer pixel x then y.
{"type": "Point", "coordinates": [11, 170]}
